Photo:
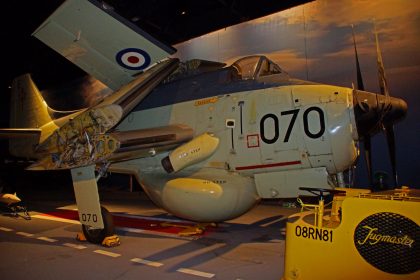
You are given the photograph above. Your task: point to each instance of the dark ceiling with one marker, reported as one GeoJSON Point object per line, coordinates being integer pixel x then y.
{"type": "Point", "coordinates": [168, 20]}
{"type": "Point", "coordinates": [177, 21]}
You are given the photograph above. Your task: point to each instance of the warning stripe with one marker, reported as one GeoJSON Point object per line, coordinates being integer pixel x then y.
{"type": "Point", "coordinates": [147, 262]}
{"type": "Point", "coordinates": [52, 218]}
{"type": "Point", "coordinates": [26, 234]}
{"type": "Point", "coordinates": [75, 246]}
{"type": "Point", "coordinates": [106, 253]}
{"type": "Point", "coordinates": [196, 272]}
{"type": "Point", "coordinates": [286, 163]}
{"type": "Point", "coordinates": [152, 232]}
{"type": "Point", "coordinates": [43, 238]}
{"type": "Point", "coordinates": [128, 223]}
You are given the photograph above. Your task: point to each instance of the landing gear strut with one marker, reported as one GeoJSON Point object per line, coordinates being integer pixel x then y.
{"type": "Point", "coordinates": [97, 223]}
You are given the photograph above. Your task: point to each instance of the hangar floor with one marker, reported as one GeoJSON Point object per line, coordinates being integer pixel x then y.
{"type": "Point", "coordinates": [249, 247]}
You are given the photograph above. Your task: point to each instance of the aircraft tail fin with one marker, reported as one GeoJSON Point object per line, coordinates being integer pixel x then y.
{"type": "Point", "coordinates": [28, 113]}
{"type": "Point", "coordinates": [28, 107]}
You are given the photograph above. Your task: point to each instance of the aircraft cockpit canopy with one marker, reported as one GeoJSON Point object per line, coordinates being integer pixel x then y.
{"type": "Point", "coordinates": [252, 67]}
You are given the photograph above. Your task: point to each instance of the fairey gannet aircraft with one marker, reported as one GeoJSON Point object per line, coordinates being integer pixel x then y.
{"type": "Point", "coordinates": [206, 141]}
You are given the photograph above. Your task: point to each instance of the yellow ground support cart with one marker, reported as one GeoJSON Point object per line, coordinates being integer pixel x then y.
{"type": "Point", "coordinates": [364, 236]}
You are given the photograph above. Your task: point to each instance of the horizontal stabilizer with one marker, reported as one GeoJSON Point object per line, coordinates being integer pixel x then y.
{"type": "Point", "coordinates": [59, 114]}
{"type": "Point", "coordinates": [101, 42]}
{"type": "Point", "coordinates": [20, 132]}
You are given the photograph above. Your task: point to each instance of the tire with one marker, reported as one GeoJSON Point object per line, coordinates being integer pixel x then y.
{"type": "Point", "coordinates": [96, 236]}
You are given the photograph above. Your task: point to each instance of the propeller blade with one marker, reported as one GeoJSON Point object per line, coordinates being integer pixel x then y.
{"type": "Point", "coordinates": [383, 85]}
{"type": "Point", "coordinates": [368, 157]}
{"type": "Point", "coordinates": [388, 128]}
{"type": "Point", "coordinates": [360, 85]}
{"type": "Point", "coordinates": [390, 138]}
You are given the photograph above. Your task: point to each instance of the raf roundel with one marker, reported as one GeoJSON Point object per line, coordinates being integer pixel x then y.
{"type": "Point", "coordinates": [133, 59]}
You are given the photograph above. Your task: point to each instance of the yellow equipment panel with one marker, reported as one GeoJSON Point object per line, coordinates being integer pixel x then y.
{"type": "Point", "coordinates": [376, 238]}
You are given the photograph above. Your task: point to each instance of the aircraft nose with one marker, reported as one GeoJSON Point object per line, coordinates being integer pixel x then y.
{"type": "Point", "coordinates": [372, 111]}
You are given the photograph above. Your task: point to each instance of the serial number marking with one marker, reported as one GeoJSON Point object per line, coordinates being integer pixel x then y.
{"type": "Point", "coordinates": [314, 233]}
{"type": "Point", "coordinates": [274, 124]}
{"type": "Point", "coordinates": [87, 217]}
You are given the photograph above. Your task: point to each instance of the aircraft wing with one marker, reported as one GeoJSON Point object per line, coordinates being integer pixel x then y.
{"type": "Point", "coordinates": [113, 146]}
{"type": "Point", "coordinates": [87, 139]}
{"type": "Point", "coordinates": [101, 42]}
{"type": "Point", "coordinates": [116, 52]}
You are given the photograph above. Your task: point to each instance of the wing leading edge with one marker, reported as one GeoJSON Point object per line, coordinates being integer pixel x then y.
{"type": "Point", "coordinates": [101, 42]}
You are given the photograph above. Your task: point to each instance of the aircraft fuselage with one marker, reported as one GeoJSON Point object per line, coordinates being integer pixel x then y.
{"type": "Point", "coordinates": [275, 134]}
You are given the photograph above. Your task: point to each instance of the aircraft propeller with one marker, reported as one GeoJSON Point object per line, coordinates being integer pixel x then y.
{"type": "Point", "coordinates": [366, 137]}
{"type": "Point", "coordinates": [377, 112]}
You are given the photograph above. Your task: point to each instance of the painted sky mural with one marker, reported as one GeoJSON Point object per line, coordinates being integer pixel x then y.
{"type": "Point", "coordinates": [314, 42]}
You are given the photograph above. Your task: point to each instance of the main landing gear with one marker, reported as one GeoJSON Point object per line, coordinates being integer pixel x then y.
{"type": "Point", "coordinates": [98, 235]}
{"type": "Point", "coordinates": [97, 223]}
{"type": "Point", "coordinates": [104, 236]}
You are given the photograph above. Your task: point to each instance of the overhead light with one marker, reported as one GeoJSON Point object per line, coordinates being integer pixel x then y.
{"type": "Point", "coordinates": [106, 6]}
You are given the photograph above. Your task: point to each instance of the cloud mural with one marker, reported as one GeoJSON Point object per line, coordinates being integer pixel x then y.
{"type": "Point", "coordinates": [314, 41]}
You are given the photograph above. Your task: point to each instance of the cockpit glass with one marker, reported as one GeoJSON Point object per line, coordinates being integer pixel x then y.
{"type": "Point", "coordinates": [268, 68]}
{"type": "Point", "coordinates": [247, 66]}
{"type": "Point", "coordinates": [252, 67]}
